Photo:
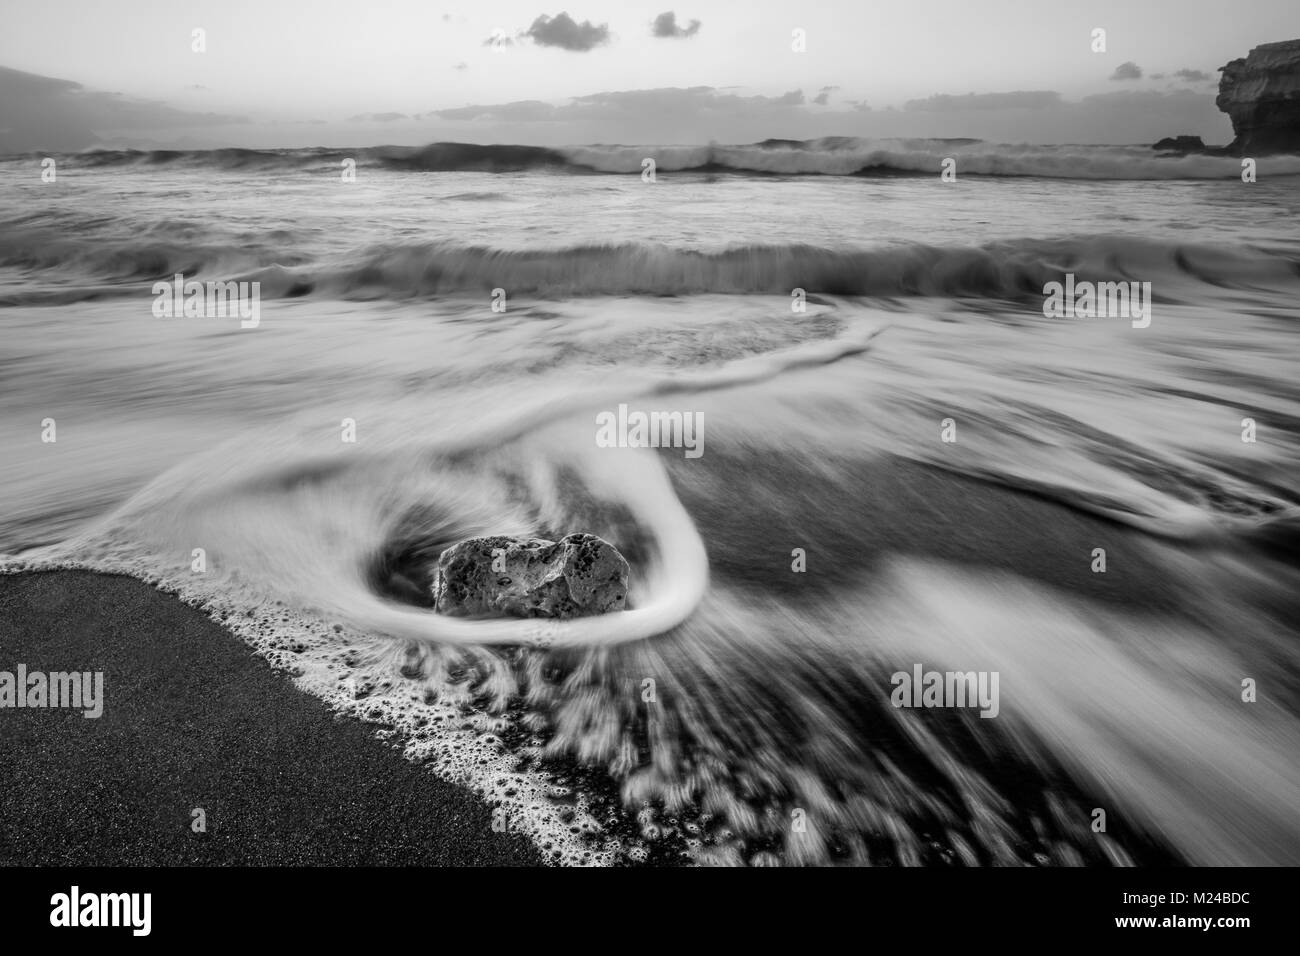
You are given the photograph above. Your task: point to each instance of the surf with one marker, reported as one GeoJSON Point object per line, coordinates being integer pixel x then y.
{"type": "Point", "coordinates": [1016, 270]}
{"type": "Point", "coordinates": [826, 156]}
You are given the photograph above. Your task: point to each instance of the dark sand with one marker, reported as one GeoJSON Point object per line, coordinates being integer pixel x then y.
{"type": "Point", "coordinates": [193, 718]}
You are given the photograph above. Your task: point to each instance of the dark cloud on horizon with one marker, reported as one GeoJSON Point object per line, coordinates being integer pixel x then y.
{"type": "Point", "coordinates": [1127, 71]}
{"type": "Point", "coordinates": [710, 103]}
{"type": "Point", "coordinates": [696, 100]}
{"type": "Point", "coordinates": [1019, 99]}
{"type": "Point", "coordinates": [703, 114]}
{"type": "Point", "coordinates": [566, 33]}
{"type": "Point", "coordinates": [377, 118]}
{"type": "Point", "coordinates": [1194, 76]}
{"type": "Point", "coordinates": [1131, 98]}
{"type": "Point", "coordinates": [41, 112]}
{"type": "Point", "coordinates": [665, 25]}
{"type": "Point", "coordinates": [824, 95]}
{"type": "Point", "coordinates": [44, 113]}
{"type": "Point", "coordinates": [520, 111]}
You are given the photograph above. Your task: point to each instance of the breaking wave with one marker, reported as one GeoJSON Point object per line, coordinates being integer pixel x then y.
{"type": "Point", "coordinates": [1002, 270]}
{"type": "Point", "coordinates": [828, 156]}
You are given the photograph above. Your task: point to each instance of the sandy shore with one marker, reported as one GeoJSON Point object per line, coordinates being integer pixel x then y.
{"type": "Point", "coordinates": [193, 719]}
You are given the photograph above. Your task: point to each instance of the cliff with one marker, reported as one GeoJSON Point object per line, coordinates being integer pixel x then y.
{"type": "Point", "coordinates": [1261, 95]}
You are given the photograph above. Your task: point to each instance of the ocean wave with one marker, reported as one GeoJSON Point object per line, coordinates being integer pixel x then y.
{"type": "Point", "coordinates": [1011, 270]}
{"type": "Point", "coordinates": [132, 259]}
{"type": "Point", "coordinates": [828, 156]}
{"type": "Point", "coordinates": [1006, 270]}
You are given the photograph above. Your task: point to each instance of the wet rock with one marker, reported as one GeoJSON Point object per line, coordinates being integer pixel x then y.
{"type": "Point", "coordinates": [1261, 95]}
{"type": "Point", "coordinates": [1181, 144]}
{"type": "Point", "coordinates": [577, 576]}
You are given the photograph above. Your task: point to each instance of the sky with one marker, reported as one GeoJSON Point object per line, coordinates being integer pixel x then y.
{"type": "Point", "coordinates": [342, 73]}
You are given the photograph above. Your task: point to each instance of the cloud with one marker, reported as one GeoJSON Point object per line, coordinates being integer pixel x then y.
{"type": "Point", "coordinates": [665, 25]}
{"type": "Point", "coordinates": [462, 65]}
{"type": "Point", "coordinates": [1194, 76]}
{"type": "Point", "coordinates": [665, 115]}
{"type": "Point", "coordinates": [697, 102]}
{"type": "Point", "coordinates": [1129, 113]}
{"type": "Point", "coordinates": [41, 112]}
{"type": "Point", "coordinates": [566, 33]}
{"type": "Point", "coordinates": [377, 118]}
{"type": "Point", "coordinates": [1145, 98]}
{"type": "Point", "coordinates": [520, 111]}
{"type": "Point", "coordinates": [1127, 71]}
{"type": "Point", "coordinates": [824, 95]}
{"type": "Point", "coordinates": [1019, 99]}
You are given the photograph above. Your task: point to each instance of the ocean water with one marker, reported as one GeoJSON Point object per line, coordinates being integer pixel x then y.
{"type": "Point", "coordinates": [739, 712]}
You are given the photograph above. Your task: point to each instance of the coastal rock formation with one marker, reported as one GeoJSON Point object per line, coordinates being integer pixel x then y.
{"type": "Point", "coordinates": [1261, 95]}
{"type": "Point", "coordinates": [578, 576]}
{"type": "Point", "coordinates": [1181, 144]}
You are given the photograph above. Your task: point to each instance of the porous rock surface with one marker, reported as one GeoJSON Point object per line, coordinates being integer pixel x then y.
{"type": "Point", "coordinates": [577, 576]}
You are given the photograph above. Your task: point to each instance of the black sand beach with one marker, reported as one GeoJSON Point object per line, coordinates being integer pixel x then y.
{"type": "Point", "coordinates": [193, 719]}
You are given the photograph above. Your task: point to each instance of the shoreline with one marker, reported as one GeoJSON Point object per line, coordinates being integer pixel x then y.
{"type": "Point", "coordinates": [195, 719]}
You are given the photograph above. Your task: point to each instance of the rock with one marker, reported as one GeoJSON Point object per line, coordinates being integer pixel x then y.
{"type": "Point", "coordinates": [578, 576]}
{"type": "Point", "coordinates": [1181, 144]}
{"type": "Point", "coordinates": [1261, 95]}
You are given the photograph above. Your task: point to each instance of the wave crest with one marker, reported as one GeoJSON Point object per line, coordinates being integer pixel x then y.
{"type": "Point", "coordinates": [1003, 270]}
{"type": "Point", "coordinates": [828, 156]}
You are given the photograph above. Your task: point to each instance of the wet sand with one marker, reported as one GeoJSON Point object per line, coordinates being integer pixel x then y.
{"type": "Point", "coordinates": [194, 719]}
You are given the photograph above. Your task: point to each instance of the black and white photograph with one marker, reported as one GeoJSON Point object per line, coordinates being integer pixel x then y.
{"type": "Point", "coordinates": [833, 435]}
